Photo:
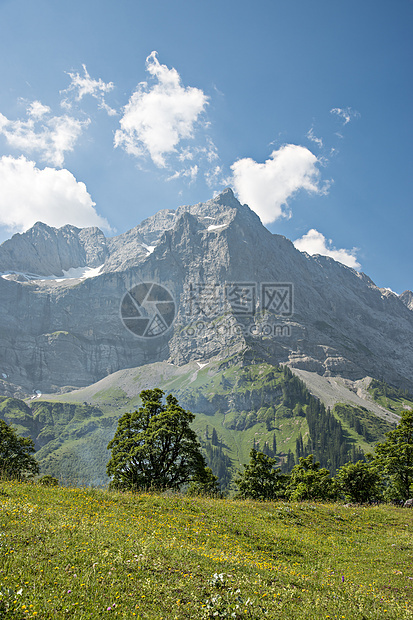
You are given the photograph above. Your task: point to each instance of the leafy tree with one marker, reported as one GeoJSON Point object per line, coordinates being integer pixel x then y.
{"type": "Point", "coordinates": [155, 447]}
{"type": "Point", "coordinates": [395, 456]}
{"type": "Point", "coordinates": [16, 454]}
{"type": "Point", "coordinates": [309, 481]}
{"type": "Point", "coordinates": [206, 485]}
{"type": "Point", "coordinates": [360, 482]}
{"type": "Point", "coordinates": [260, 479]}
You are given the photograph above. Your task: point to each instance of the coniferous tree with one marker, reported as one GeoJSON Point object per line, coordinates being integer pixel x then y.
{"type": "Point", "coordinates": [274, 445]}
{"type": "Point", "coordinates": [214, 438]}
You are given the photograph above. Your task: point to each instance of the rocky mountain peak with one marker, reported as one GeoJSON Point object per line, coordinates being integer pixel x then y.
{"type": "Point", "coordinates": [47, 251]}
{"type": "Point", "coordinates": [407, 299]}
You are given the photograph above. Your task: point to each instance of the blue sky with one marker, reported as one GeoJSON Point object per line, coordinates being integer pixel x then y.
{"type": "Point", "coordinates": [112, 111]}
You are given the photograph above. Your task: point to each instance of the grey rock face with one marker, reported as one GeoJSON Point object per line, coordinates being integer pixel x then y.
{"type": "Point", "coordinates": [70, 332]}
{"type": "Point", "coordinates": [407, 299]}
{"type": "Point", "coordinates": [47, 251]}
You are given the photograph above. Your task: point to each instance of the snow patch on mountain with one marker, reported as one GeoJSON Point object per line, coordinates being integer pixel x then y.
{"type": "Point", "coordinates": [216, 226]}
{"type": "Point", "coordinates": [75, 273]}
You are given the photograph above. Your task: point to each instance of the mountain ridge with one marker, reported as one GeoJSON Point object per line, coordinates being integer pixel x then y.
{"type": "Point", "coordinates": [68, 331]}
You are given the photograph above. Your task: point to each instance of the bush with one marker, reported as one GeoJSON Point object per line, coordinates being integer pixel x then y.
{"type": "Point", "coordinates": [48, 481]}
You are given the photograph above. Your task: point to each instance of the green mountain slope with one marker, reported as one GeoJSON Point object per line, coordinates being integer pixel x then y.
{"type": "Point", "coordinates": [239, 404]}
{"type": "Point", "coordinates": [389, 397]}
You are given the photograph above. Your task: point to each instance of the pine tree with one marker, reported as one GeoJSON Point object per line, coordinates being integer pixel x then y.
{"type": "Point", "coordinates": [274, 445]}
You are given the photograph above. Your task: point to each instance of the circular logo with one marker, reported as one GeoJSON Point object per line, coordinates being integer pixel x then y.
{"type": "Point", "coordinates": [148, 310]}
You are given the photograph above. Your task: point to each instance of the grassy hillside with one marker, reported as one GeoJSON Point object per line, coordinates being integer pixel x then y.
{"type": "Point", "coordinates": [389, 397]}
{"type": "Point", "coordinates": [246, 404]}
{"type": "Point", "coordinates": [362, 425]}
{"type": "Point", "coordinates": [89, 554]}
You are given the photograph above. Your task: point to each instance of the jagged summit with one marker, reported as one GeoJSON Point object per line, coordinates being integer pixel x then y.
{"type": "Point", "coordinates": [48, 251]}
{"type": "Point", "coordinates": [407, 299]}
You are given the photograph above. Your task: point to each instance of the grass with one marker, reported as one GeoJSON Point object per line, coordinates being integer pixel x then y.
{"type": "Point", "coordinates": [390, 398]}
{"type": "Point", "coordinates": [87, 553]}
{"type": "Point", "coordinates": [240, 443]}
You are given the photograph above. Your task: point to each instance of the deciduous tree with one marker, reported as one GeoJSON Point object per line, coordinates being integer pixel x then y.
{"type": "Point", "coordinates": [310, 481]}
{"type": "Point", "coordinates": [16, 454]}
{"type": "Point", "coordinates": [155, 447]}
{"type": "Point", "coordinates": [261, 479]}
{"type": "Point", "coordinates": [395, 456]}
{"type": "Point", "coordinates": [360, 482]}
{"type": "Point", "coordinates": [206, 484]}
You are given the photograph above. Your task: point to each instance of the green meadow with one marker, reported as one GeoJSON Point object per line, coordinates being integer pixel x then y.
{"type": "Point", "coordinates": [88, 553]}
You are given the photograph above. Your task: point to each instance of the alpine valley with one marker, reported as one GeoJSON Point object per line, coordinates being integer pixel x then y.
{"type": "Point", "coordinates": [268, 346]}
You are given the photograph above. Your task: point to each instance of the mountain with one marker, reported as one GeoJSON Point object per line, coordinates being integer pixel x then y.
{"type": "Point", "coordinates": [204, 282]}
{"type": "Point", "coordinates": [238, 405]}
{"type": "Point", "coordinates": [407, 299]}
{"type": "Point", "coordinates": [47, 251]}
{"type": "Point", "coordinates": [206, 303]}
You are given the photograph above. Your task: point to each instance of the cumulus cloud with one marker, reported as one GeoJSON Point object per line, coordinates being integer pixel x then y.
{"type": "Point", "coordinates": [82, 85]}
{"type": "Point", "coordinates": [345, 114]}
{"type": "Point", "coordinates": [37, 110]}
{"type": "Point", "coordinates": [49, 136]}
{"type": "Point", "coordinates": [158, 117]}
{"type": "Point", "coordinates": [314, 242]}
{"type": "Point", "coordinates": [52, 196]}
{"type": "Point", "coordinates": [267, 187]}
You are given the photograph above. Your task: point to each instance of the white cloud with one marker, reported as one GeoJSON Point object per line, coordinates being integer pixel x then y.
{"type": "Point", "coordinates": [50, 137]}
{"type": "Point", "coordinates": [85, 85]}
{"type": "Point", "coordinates": [267, 187]}
{"type": "Point", "coordinates": [215, 177]}
{"type": "Point", "coordinates": [188, 173]}
{"type": "Point", "coordinates": [346, 114]}
{"type": "Point", "coordinates": [37, 110]}
{"type": "Point", "coordinates": [157, 118]}
{"type": "Point", "coordinates": [313, 138]}
{"type": "Point", "coordinates": [314, 242]}
{"type": "Point", "coordinates": [186, 154]}
{"type": "Point", "coordinates": [52, 196]}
